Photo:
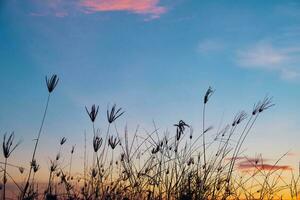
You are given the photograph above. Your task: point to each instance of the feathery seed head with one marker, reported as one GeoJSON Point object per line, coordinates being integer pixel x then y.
{"type": "Point", "coordinates": [208, 94]}
{"type": "Point", "coordinates": [57, 156]}
{"type": "Point", "coordinates": [62, 140]}
{"type": "Point", "coordinates": [260, 106]}
{"type": "Point", "coordinates": [156, 149]}
{"type": "Point", "coordinates": [53, 165]}
{"type": "Point", "coordinates": [113, 142]}
{"type": "Point", "coordinates": [266, 103]}
{"type": "Point", "coordinates": [7, 145]}
{"type": "Point", "coordinates": [93, 113]}
{"type": "Point", "coordinates": [239, 118]}
{"type": "Point", "coordinates": [52, 82]}
{"type": "Point", "coordinates": [97, 142]}
{"type": "Point", "coordinates": [21, 169]}
{"type": "Point", "coordinates": [94, 172]}
{"type": "Point", "coordinates": [113, 114]}
{"type": "Point", "coordinates": [180, 128]}
{"type": "Point", "coordinates": [36, 168]}
{"type": "Point", "coordinates": [73, 148]}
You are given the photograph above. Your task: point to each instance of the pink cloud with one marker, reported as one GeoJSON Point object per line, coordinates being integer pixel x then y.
{"type": "Point", "coordinates": [235, 158]}
{"type": "Point", "coordinates": [291, 154]}
{"type": "Point", "coordinates": [57, 8]}
{"type": "Point", "coordinates": [61, 14]}
{"type": "Point", "coordinates": [37, 14]}
{"type": "Point", "coordinates": [247, 164]}
{"type": "Point", "coordinates": [149, 7]}
{"type": "Point", "coordinates": [63, 8]}
{"type": "Point", "coordinates": [266, 167]}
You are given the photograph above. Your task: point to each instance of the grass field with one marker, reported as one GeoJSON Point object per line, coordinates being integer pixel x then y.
{"type": "Point", "coordinates": [180, 164]}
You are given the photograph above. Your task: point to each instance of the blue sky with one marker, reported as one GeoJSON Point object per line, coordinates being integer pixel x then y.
{"type": "Point", "coordinates": [155, 59]}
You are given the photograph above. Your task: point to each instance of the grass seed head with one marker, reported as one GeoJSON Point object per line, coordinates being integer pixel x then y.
{"type": "Point", "coordinates": [73, 148]}
{"type": "Point", "coordinates": [208, 94]}
{"type": "Point", "coordinates": [7, 144]}
{"type": "Point", "coordinates": [113, 142]}
{"type": "Point", "coordinates": [113, 114]}
{"type": "Point", "coordinates": [62, 141]}
{"type": "Point", "coordinates": [52, 82]}
{"type": "Point", "coordinates": [93, 113]}
{"type": "Point", "coordinates": [97, 142]}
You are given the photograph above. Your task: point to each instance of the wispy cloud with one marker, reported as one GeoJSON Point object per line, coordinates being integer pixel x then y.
{"type": "Point", "coordinates": [246, 164]}
{"type": "Point", "coordinates": [37, 14]}
{"type": "Point", "coordinates": [267, 167]}
{"type": "Point", "coordinates": [57, 8]}
{"type": "Point", "coordinates": [292, 154]}
{"type": "Point", "coordinates": [60, 8]}
{"type": "Point", "coordinates": [209, 45]}
{"type": "Point", "coordinates": [149, 7]}
{"type": "Point", "coordinates": [265, 56]}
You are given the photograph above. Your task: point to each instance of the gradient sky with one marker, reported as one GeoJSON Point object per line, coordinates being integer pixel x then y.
{"type": "Point", "coordinates": [154, 58]}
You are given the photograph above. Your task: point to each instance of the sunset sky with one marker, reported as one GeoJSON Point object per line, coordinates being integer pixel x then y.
{"type": "Point", "coordinates": [153, 58]}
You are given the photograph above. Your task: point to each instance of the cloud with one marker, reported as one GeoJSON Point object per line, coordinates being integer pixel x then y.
{"type": "Point", "coordinates": [149, 7]}
{"type": "Point", "coordinates": [209, 45]}
{"type": "Point", "coordinates": [235, 158]}
{"type": "Point", "coordinates": [61, 8]}
{"type": "Point", "coordinates": [266, 167]}
{"type": "Point", "coordinates": [265, 56]}
{"type": "Point", "coordinates": [35, 14]}
{"type": "Point", "coordinates": [292, 154]}
{"type": "Point", "coordinates": [259, 163]}
{"type": "Point", "coordinates": [61, 14]}
{"type": "Point", "coordinates": [57, 8]}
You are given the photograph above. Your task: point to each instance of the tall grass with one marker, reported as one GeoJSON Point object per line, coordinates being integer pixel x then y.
{"type": "Point", "coordinates": [7, 148]}
{"type": "Point", "coordinates": [51, 84]}
{"type": "Point", "coordinates": [182, 164]}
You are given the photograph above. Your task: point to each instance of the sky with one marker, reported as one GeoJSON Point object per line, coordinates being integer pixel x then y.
{"type": "Point", "coordinates": [153, 58]}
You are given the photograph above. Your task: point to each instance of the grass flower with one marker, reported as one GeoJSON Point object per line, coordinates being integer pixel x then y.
{"type": "Point", "coordinates": [113, 142]}
{"type": "Point", "coordinates": [241, 116]}
{"type": "Point", "coordinates": [52, 82]}
{"type": "Point", "coordinates": [53, 165]}
{"type": "Point", "coordinates": [208, 94]}
{"type": "Point", "coordinates": [21, 170]}
{"type": "Point", "coordinates": [260, 106]}
{"type": "Point", "coordinates": [156, 149]}
{"type": "Point", "coordinates": [265, 104]}
{"type": "Point", "coordinates": [113, 114]}
{"type": "Point", "coordinates": [62, 141]}
{"type": "Point", "coordinates": [94, 172]}
{"type": "Point", "coordinates": [36, 167]}
{"type": "Point", "coordinates": [181, 126]}
{"type": "Point", "coordinates": [180, 129]}
{"type": "Point", "coordinates": [97, 142]}
{"type": "Point", "coordinates": [57, 156]}
{"type": "Point", "coordinates": [93, 113]}
{"type": "Point", "coordinates": [72, 149]}
{"type": "Point", "coordinates": [7, 144]}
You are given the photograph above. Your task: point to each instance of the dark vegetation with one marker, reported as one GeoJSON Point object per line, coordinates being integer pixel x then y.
{"type": "Point", "coordinates": [180, 165]}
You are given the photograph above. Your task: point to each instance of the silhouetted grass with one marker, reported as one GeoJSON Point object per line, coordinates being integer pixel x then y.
{"type": "Point", "coordinates": [180, 165]}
